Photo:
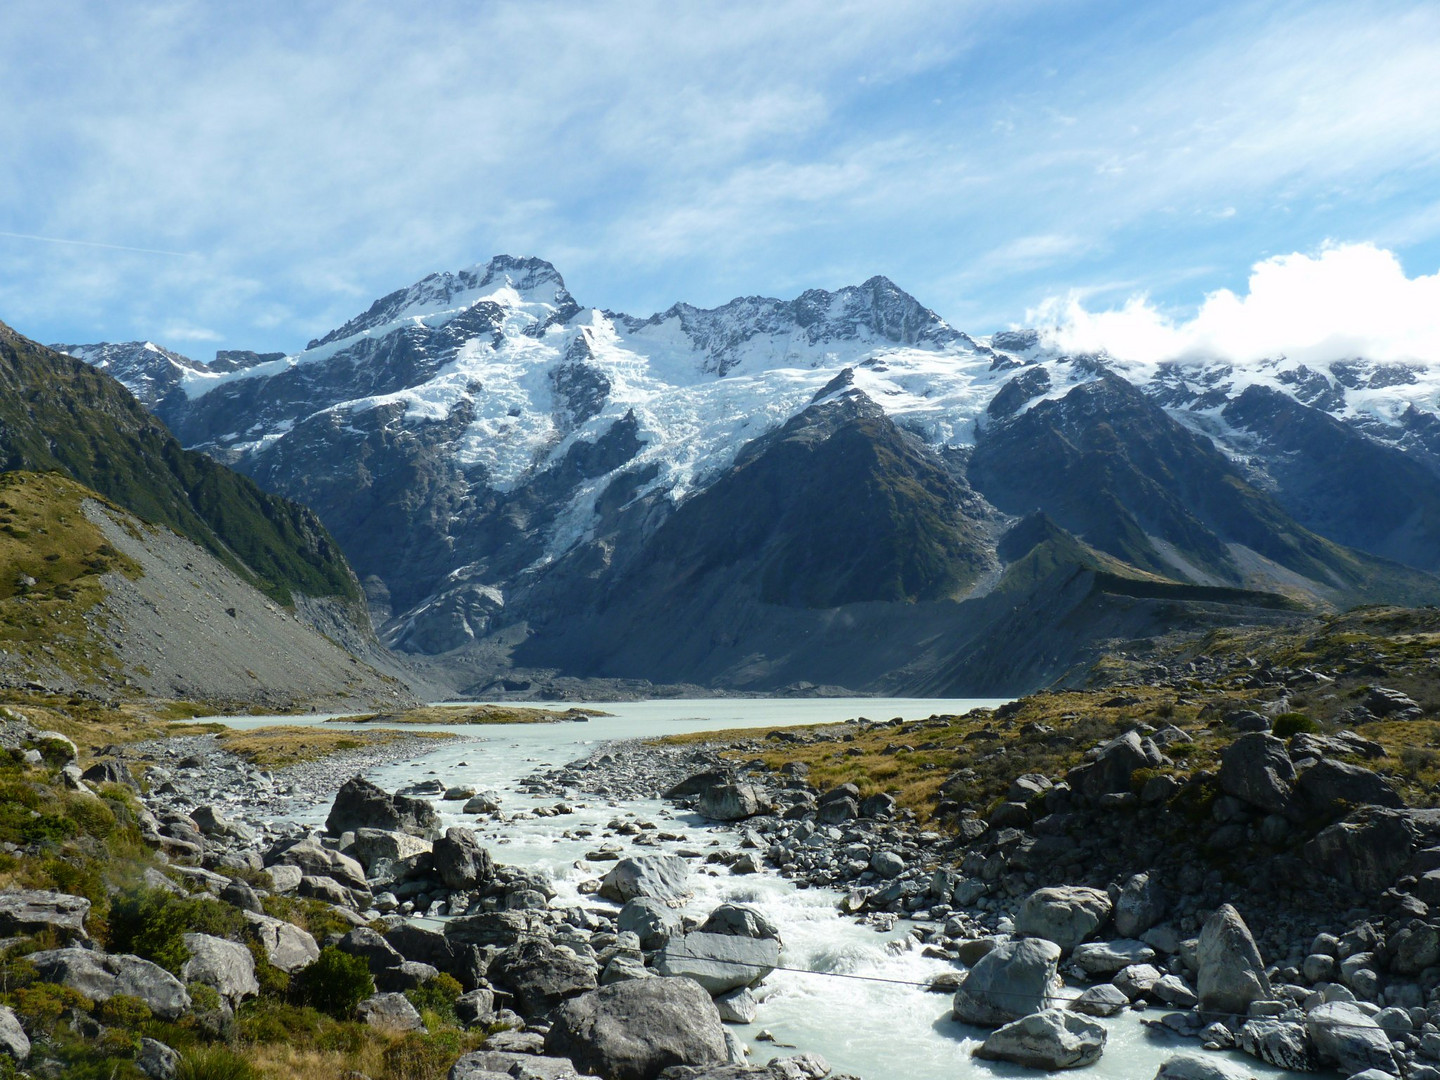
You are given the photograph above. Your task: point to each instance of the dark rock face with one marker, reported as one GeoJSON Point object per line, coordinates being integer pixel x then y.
{"type": "Point", "coordinates": [634, 1030]}
{"type": "Point", "coordinates": [542, 975]}
{"type": "Point", "coordinates": [460, 860]}
{"type": "Point", "coordinates": [359, 804]}
{"type": "Point", "coordinates": [1256, 769]}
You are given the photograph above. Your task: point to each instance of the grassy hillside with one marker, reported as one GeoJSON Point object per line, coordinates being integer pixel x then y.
{"type": "Point", "coordinates": [59, 414]}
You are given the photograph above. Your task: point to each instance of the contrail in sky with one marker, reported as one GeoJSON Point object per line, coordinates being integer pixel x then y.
{"type": "Point", "coordinates": [97, 244]}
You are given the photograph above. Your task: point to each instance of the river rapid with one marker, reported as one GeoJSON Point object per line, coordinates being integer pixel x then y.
{"type": "Point", "coordinates": [855, 994]}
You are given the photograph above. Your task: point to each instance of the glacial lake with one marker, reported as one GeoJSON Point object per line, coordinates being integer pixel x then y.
{"type": "Point", "coordinates": [854, 996]}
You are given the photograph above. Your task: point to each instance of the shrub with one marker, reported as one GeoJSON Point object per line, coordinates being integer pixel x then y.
{"type": "Point", "coordinates": [151, 923]}
{"type": "Point", "coordinates": [215, 1063]}
{"type": "Point", "coordinates": [335, 983]}
{"type": "Point", "coordinates": [438, 996]}
{"type": "Point", "coordinates": [44, 1003]}
{"type": "Point", "coordinates": [1293, 723]}
{"type": "Point", "coordinates": [124, 1011]}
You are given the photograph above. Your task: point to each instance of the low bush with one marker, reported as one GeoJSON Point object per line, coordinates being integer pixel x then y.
{"type": "Point", "coordinates": [152, 922]}
{"type": "Point", "coordinates": [335, 983]}
{"type": "Point", "coordinates": [1293, 723]}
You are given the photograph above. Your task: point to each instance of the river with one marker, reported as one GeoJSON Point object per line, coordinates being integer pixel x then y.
{"type": "Point", "coordinates": [878, 1023]}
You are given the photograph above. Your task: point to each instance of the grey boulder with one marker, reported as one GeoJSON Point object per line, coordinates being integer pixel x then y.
{"type": "Point", "coordinates": [390, 1012]}
{"type": "Point", "coordinates": [1140, 905]}
{"type": "Point", "coordinates": [719, 962]}
{"type": "Point", "coordinates": [1348, 1038]}
{"type": "Point", "coordinates": [739, 920]}
{"type": "Point", "coordinates": [1256, 769]}
{"type": "Point", "coordinates": [660, 877]}
{"type": "Point", "coordinates": [1189, 1067]}
{"type": "Point", "coordinates": [542, 974]}
{"type": "Point", "coordinates": [653, 921]}
{"type": "Point", "coordinates": [225, 965]}
{"type": "Point", "coordinates": [1230, 971]}
{"type": "Point", "coordinates": [1064, 914]}
{"type": "Point", "coordinates": [100, 977]}
{"type": "Point", "coordinates": [13, 1040]}
{"type": "Point", "coordinates": [634, 1030]}
{"type": "Point", "coordinates": [730, 802]}
{"type": "Point", "coordinates": [1014, 979]}
{"type": "Point", "coordinates": [460, 860]}
{"type": "Point", "coordinates": [1052, 1039]}
{"type": "Point", "coordinates": [285, 945]}
{"type": "Point", "coordinates": [157, 1060]}
{"type": "Point", "coordinates": [360, 804]}
{"type": "Point", "coordinates": [30, 911]}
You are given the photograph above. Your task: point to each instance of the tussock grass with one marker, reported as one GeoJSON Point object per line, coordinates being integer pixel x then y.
{"type": "Point", "coordinates": [277, 747]}
{"type": "Point", "coordinates": [473, 714]}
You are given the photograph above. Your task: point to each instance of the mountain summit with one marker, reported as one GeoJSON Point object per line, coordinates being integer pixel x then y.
{"type": "Point", "coordinates": [508, 470]}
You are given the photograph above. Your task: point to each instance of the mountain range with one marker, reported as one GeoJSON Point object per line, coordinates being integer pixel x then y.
{"type": "Point", "coordinates": [839, 490]}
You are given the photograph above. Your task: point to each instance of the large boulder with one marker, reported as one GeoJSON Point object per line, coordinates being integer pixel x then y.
{"type": "Point", "coordinates": [719, 962]}
{"type": "Point", "coordinates": [1064, 914]}
{"type": "Point", "coordinates": [1102, 959]}
{"type": "Point", "coordinates": [1329, 787]}
{"type": "Point", "coordinates": [371, 946]}
{"type": "Point", "coordinates": [371, 846]}
{"type": "Point", "coordinates": [359, 804]}
{"type": "Point", "coordinates": [660, 877]}
{"type": "Point", "coordinates": [460, 861]}
{"type": "Point", "coordinates": [1349, 1039]}
{"type": "Point", "coordinates": [390, 1012]}
{"type": "Point", "coordinates": [13, 1040]}
{"type": "Point", "coordinates": [1052, 1039]}
{"type": "Point", "coordinates": [1257, 770]}
{"type": "Point", "coordinates": [284, 944]}
{"type": "Point", "coordinates": [1230, 972]}
{"type": "Point", "coordinates": [100, 976]}
{"type": "Point", "coordinates": [697, 783]}
{"type": "Point", "coordinates": [739, 920]}
{"type": "Point", "coordinates": [316, 860]}
{"type": "Point", "coordinates": [541, 975]}
{"type": "Point", "coordinates": [225, 965]}
{"type": "Point", "coordinates": [1114, 765]}
{"type": "Point", "coordinates": [508, 1064]}
{"type": "Point", "coordinates": [634, 1030]}
{"type": "Point", "coordinates": [1189, 1067]}
{"type": "Point", "coordinates": [1141, 904]}
{"type": "Point", "coordinates": [1368, 850]}
{"type": "Point", "coordinates": [30, 911]}
{"type": "Point", "coordinates": [1282, 1043]}
{"type": "Point", "coordinates": [1012, 980]}
{"type": "Point", "coordinates": [459, 959]}
{"type": "Point", "coordinates": [653, 921]}
{"type": "Point", "coordinates": [730, 802]}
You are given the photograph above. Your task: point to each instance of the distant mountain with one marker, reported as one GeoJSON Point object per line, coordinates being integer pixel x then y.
{"type": "Point", "coordinates": [822, 490]}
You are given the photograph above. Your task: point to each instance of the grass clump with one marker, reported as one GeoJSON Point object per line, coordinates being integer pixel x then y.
{"type": "Point", "coordinates": [215, 1063]}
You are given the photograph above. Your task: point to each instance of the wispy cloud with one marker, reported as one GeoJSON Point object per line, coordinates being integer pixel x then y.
{"type": "Point", "coordinates": [983, 153]}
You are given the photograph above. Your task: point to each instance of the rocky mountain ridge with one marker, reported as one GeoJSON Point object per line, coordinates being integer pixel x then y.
{"type": "Point", "coordinates": [499, 463]}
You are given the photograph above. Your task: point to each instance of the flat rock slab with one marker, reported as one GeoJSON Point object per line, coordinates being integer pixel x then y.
{"type": "Point", "coordinates": [29, 911]}
{"type": "Point", "coordinates": [719, 962]}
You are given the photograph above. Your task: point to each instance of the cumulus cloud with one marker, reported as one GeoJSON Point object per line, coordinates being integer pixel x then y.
{"type": "Point", "coordinates": [1347, 300]}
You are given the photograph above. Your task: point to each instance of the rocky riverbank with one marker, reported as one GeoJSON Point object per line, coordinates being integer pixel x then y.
{"type": "Point", "coordinates": [1132, 881]}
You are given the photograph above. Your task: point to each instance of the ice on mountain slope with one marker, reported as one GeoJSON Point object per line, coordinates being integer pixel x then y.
{"type": "Point", "coordinates": [701, 383]}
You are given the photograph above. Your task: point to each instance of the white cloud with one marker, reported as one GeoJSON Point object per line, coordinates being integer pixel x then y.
{"type": "Point", "coordinates": [1348, 300]}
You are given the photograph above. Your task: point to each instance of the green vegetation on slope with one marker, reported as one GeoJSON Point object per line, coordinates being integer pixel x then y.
{"type": "Point", "coordinates": [59, 414]}
{"type": "Point", "coordinates": [52, 559]}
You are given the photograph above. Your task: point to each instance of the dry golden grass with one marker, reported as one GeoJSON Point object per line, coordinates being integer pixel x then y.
{"type": "Point", "coordinates": [473, 714]}
{"type": "Point", "coordinates": [279, 1061]}
{"type": "Point", "coordinates": [277, 747]}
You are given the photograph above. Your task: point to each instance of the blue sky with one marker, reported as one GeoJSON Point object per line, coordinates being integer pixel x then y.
{"type": "Point", "coordinates": [249, 176]}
